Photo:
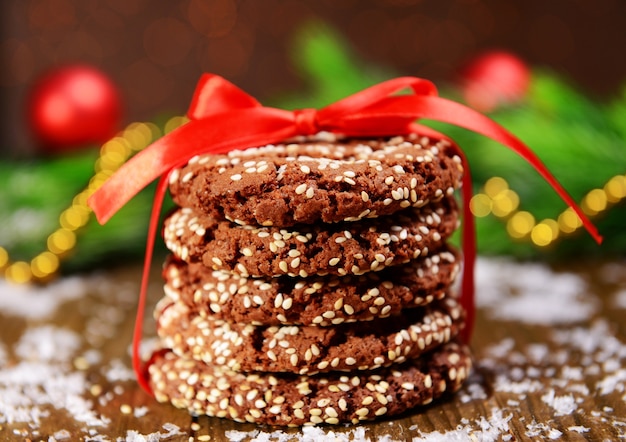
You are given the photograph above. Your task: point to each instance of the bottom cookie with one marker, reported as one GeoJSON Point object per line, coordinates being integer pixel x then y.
{"type": "Point", "coordinates": [293, 400]}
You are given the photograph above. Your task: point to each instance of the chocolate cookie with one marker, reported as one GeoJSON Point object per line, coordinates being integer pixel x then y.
{"type": "Point", "coordinates": [327, 181]}
{"type": "Point", "coordinates": [310, 301]}
{"type": "Point", "coordinates": [293, 400]}
{"type": "Point", "coordinates": [308, 349]}
{"type": "Point", "coordinates": [320, 249]}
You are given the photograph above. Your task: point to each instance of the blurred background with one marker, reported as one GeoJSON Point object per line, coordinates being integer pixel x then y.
{"type": "Point", "coordinates": [559, 77]}
{"type": "Point", "coordinates": [156, 50]}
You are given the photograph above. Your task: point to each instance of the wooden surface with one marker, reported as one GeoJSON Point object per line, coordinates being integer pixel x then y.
{"type": "Point", "coordinates": [550, 349]}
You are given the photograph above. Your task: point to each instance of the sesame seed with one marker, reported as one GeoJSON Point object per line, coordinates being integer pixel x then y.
{"type": "Point", "coordinates": [350, 361]}
{"type": "Point", "coordinates": [278, 300]}
{"type": "Point", "coordinates": [298, 405]}
{"type": "Point", "coordinates": [452, 373]}
{"type": "Point", "coordinates": [305, 169]}
{"type": "Point", "coordinates": [310, 192]}
{"type": "Point", "coordinates": [343, 405]}
{"type": "Point", "coordinates": [260, 403]}
{"type": "Point", "coordinates": [381, 411]}
{"type": "Point", "coordinates": [322, 365]}
{"type": "Point", "coordinates": [331, 412]}
{"type": "Point", "coordinates": [236, 177]}
{"type": "Point", "coordinates": [301, 189]}
{"type": "Point", "coordinates": [362, 412]}
{"type": "Point", "coordinates": [428, 381]}
{"type": "Point", "coordinates": [323, 402]}
{"type": "Point", "coordinates": [187, 177]}
{"type": "Point", "coordinates": [333, 261]}
{"type": "Point", "coordinates": [316, 419]}
{"type": "Point", "coordinates": [283, 266]}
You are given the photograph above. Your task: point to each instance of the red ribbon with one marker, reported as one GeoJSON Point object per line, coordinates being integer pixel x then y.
{"type": "Point", "coordinates": [225, 118]}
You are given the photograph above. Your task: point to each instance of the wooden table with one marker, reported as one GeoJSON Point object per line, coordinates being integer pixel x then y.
{"type": "Point", "coordinates": [550, 349]}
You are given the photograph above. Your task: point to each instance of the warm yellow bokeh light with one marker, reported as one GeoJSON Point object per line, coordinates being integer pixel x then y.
{"type": "Point", "coordinates": [615, 188]}
{"type": "Point", "coordinates": [61, 241]}
{"type": "Point", "coordinates": [569, 221]}
{"type": "Point", "coordinates": [4, 257]}
{"type": "Point", "coordinates": [44, 264]}
{"type": "Point", "coordinates": [480, 205]}
{"type": "Point", "coordinates": [520, 224]}
{"type": "Point", "coordinates": [494, 186]}
{"type": "Point", "coordinates": [173, 123]}
{"type": "Point", "coordinates": [594, 202]}
{"type": "Point", "coordinates": [19, 272]}
{"type": "Point", "coordinates": [505, 203]}
{"type": "Point", "coordinates": [542, 234]}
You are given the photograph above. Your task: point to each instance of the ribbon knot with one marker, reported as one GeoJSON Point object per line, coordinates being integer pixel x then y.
{"type": "Point", "coordinates": [306, 121]}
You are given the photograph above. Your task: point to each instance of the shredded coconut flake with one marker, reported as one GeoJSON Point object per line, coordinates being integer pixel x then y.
{"type": "Point", "coordinates": [506, 296]}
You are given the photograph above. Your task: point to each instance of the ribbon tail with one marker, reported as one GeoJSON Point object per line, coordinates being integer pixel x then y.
{"type": "Point", "coordinates": [447, 111]}
{"type": "Point", "coordinates": [468, 241]}
{"type": "Point", "coordinates": [126, 182]}
{"type": "Point", "coordinates": [468, 236]}
{"type": "Point", "coordinates": [138, 366]}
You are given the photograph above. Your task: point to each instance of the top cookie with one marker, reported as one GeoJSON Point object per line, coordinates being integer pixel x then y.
{"type": "Point", "coordinates": [319, 180]}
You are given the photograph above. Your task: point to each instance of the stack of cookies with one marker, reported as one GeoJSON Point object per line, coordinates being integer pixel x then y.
{"type": "Point", "coordinates": [309, 282]}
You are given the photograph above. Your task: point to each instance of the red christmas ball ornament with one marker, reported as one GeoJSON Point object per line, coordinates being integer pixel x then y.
{"type": "Point", "coordinates": [494, 78]}
{"type": "Point", "coordinates": [73, 106]}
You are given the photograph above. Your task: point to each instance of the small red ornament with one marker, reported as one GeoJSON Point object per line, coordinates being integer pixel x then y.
{"type": "Point", "coordinates": [73, 106]}
{"type": "Point", "coordinates": [494, 78]}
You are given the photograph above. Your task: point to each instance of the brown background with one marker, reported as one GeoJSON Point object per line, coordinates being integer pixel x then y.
{"type": "Point", "coordinates": [155, 50]}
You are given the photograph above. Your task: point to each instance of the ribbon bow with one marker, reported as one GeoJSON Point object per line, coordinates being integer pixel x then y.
{"type": "Point", "coordinates": [225, 118]}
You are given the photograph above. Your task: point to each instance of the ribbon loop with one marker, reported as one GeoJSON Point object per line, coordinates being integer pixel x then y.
{"type": "Point", "coordinates": [306, 121]}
